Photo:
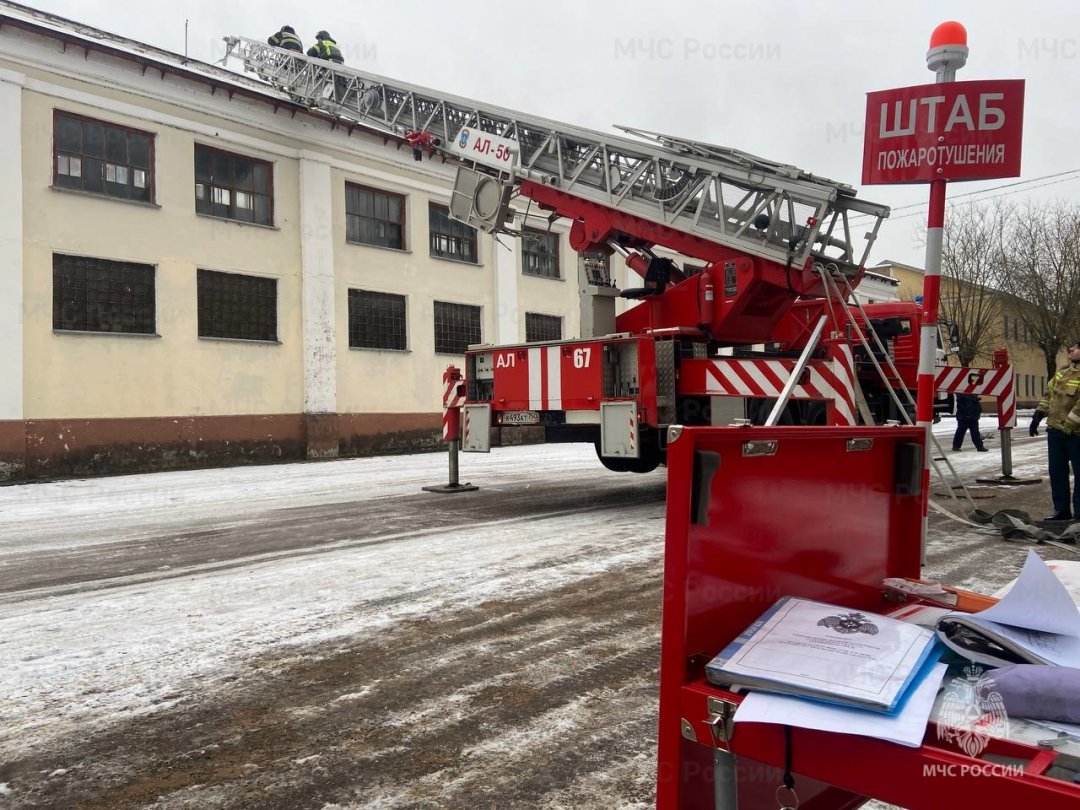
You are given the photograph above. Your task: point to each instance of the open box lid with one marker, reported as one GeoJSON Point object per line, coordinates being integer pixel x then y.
{"type": "Point", "coordinates": [755, 514]}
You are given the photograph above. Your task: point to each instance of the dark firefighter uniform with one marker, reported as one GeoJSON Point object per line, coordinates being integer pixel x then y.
{"type": "Point", "coordinates": [968, 411]}
{"type": "Point", "coordinates": [326, 48]}
{"type": "Point", "coordinates": [286, 38]}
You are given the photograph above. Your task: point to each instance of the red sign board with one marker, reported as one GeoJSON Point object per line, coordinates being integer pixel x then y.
{"type": "Point", "coordinates": [947, 131]}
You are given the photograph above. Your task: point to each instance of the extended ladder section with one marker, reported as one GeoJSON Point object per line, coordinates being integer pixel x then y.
{"type": "Point", "coordinates": [724, 196]}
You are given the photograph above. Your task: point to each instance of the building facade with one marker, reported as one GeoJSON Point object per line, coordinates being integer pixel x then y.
{"type": "Point", "coordinates": [198, 271]}
{"type": "Point", "coordinates": [877, 288]}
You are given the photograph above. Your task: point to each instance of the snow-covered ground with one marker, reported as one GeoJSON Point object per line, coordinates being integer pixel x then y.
{"type": "Point", "coordinates": [133, 644]}
{"type": "Point", "coordinates": [82, 654]}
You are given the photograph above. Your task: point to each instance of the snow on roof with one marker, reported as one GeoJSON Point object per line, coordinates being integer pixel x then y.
{"type": "Point", "coordinates": [882, 277]}
{"type": "Point", "coordinates": [44, 22]}
{"type": "Point", "coordinates": [91, 38]}
{"type": "Point", "coordinates": [894, 263]}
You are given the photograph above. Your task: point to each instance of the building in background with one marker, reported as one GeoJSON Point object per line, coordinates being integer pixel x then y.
{"type": "Point", "coordinates": [198, 271]}
{"type": "Point", "coordinates": [1006, 330]}
{"type": "Point", "coordinates": [876, 288]}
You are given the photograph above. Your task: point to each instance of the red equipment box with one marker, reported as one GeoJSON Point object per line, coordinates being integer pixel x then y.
{"type": "Point", "coordinates": [826, 513]}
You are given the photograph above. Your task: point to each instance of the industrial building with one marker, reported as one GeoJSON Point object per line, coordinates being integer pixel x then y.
{"type": "Point", "coordinates": [197, 270]}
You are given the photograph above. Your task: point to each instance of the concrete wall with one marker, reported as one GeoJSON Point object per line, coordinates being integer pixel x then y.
{"type": "Point", "coordinates": [400, 381]}
{"type": "Point", "coordinates": [93, 375]}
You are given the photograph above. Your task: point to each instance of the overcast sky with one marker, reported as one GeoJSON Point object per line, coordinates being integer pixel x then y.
{"type": "Point", "coordinates": [785, 80]}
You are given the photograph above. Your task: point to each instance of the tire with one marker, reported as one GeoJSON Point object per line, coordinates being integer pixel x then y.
{"type": "Point", "coordinates": [649, 460]}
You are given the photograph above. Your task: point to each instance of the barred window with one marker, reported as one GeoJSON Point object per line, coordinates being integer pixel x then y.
{"type": "Point", "coordinates": [540, 253]}
{"type": "Point", "coordinates": [542, 327]}
{"type": "Point", "coordinates": [102, 158]}
{"type": "Point", "coordinates": [233, 305]}
{"type": "Point", "coordinates": [233, 186]}
{"type": "Point", "coordinates": [100, 295]}
{"type": "Point", "coordinates": [456, 327]}
{"type": "Point", "coordinates": [377, 320]}
{"type": "Point", "coordinates": [450, 239]}
{"type": "Point", "coordinates": [374, 217]}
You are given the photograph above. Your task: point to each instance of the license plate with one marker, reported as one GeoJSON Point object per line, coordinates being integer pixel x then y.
{"type": "Point", "coordinates": [519, 418]}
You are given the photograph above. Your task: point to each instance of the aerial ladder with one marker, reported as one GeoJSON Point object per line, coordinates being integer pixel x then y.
{"type": "Point", "coordinates": [685, 190]}
{"type": "Point", "coordinates": [769, 236]}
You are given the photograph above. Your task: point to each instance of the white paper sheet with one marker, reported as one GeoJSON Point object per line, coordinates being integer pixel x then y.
{"type": "Point", "coordinates": [1067, 572]}
{"type": "Point", "coordinates": [1064, 651]}
{"type": "Point", "coordinates": [1036, 601]}
{"type": "Point", "coordinates": [906, 727]}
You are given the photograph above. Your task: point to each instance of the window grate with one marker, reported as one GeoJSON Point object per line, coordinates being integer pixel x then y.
{"type": "Point", "coordinates": [457, 326]}
{"type": "Point", "coordinates": [233, 305]}
{"type": "Point", "coordinates": [233, 186]}
{"type": "Point", "coordinates": [450, 239]}
{"type": "Point", "coordinates": [100, 295]}
{"type": "Point", "coordinates": [102, 158]}
{"type": "Point", "coordinates": [540, 254]}
{"type": "Point", "coordinates": [542, 327]}
{"type": "Point", "coordinates": [374, 217]}
{"type": "Point", "coordinates": [377, 320]}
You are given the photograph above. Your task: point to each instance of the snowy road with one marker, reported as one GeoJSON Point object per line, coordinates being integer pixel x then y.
{"type": "Point", "coordinates": [326, 636]}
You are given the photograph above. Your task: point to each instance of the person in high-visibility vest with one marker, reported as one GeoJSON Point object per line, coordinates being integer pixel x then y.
{"type": "Point", "coordinates": [1060, 406]}
{"type": "Point", "coordinates": [286, 38]}
{"type": "Point", "coordinates": [326, 48]}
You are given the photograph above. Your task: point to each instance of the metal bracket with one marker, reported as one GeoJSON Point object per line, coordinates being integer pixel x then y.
{"type": "Point", "coordinates": [721, 720]}
{"type": "Point", "coordinates": [796, 374]}
{"type": "Point", "coordinates": [759, 448]}
{"type": "Point", "coordinates": [688, 730]}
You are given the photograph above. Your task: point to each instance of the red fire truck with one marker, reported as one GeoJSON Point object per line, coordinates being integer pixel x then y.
{"type": "Point", "coordinates": [746, 308]}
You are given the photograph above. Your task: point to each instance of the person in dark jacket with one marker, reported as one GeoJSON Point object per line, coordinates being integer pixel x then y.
{"type": "Point", "coordinates": [968, 411]}
{"type": "Point", "coordinates": [286, 38]}
{"type": "Point", "coordinates": [326, 48]}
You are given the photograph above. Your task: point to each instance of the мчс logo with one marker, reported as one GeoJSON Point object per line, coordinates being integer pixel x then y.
{"type": "Point", "coordinates": [850, 623]}
{"type": "Point", "coordinates": [971, 713]}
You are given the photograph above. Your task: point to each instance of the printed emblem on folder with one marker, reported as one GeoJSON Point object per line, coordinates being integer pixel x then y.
{"type": "Point", "coordinates": [850, 623]}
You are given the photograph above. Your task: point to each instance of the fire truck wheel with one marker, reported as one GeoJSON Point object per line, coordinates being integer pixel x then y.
{"type": "Point", "coordinates": [649, 461]}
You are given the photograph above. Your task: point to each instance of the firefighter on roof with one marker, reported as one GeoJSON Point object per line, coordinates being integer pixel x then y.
{"type": "Point", "coordinates": [286, 38]}
{"type": "Point", "coordinates": [326, 48]}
